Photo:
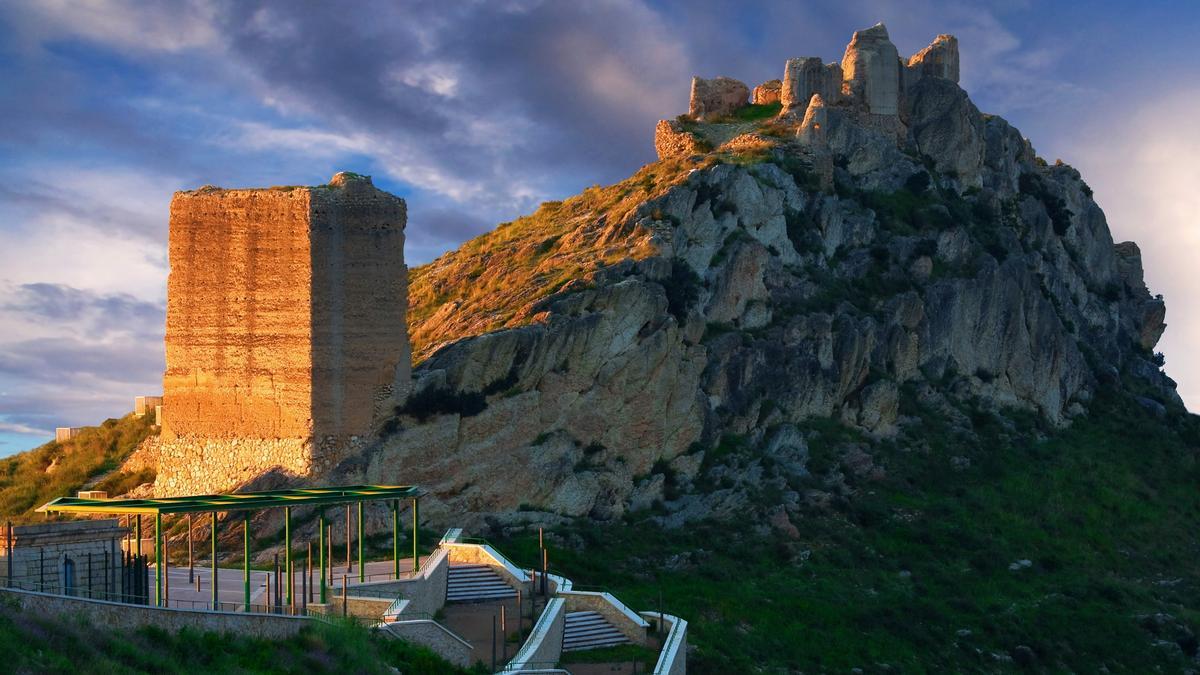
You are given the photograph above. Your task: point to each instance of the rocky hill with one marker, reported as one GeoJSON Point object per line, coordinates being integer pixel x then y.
{"type": "Point", "coordinates": [860, 235]}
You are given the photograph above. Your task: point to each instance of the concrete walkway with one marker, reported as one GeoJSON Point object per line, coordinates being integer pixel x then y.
{"type": "Point", "coordinates": [182, 593]}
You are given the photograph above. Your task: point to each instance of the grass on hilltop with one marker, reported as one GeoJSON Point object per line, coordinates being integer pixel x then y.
{"type": "Point", "coordinates": [914, 571]}
{"type": "Point", "coordinates": [30, 479]}
{"type": "Point", "coordinates": [491, 280]}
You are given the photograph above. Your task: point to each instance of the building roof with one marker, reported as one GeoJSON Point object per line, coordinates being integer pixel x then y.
{"type": "Point", "coordinates": [244, 501]}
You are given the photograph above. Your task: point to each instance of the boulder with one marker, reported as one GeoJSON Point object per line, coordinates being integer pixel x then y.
{"type": "Point", "coordinates": [715, 98]}
{"type": "Point", "coordinates": [871, 71]}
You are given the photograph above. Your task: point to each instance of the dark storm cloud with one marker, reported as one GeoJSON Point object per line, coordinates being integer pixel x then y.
{"type": "Point", "coordinates": [485, 90]}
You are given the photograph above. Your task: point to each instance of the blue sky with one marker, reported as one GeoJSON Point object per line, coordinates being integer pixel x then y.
{"type": "Point", "coordinates": [476, 112]}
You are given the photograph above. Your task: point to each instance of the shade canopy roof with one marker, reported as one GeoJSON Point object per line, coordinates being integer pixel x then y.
{"type": "Point", "coordinates": [244, 501]}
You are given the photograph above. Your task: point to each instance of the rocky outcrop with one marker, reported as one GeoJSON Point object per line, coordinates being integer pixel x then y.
{"type": "Point", "coordinates": [871, 71]}
{"type": "Point", "coordinates": [766, 93]}
{"type": "Point", "coordinates": [939, 59]}
{"type": "Point", "coordinates": [716, 98]}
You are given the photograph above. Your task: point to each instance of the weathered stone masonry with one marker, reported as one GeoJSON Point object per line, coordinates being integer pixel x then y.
{"type": "Point", "coordinates": [285, 331]}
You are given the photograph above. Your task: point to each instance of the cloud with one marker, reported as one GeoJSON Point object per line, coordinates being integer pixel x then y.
{"type": "Point", "coordinates": [23, 429]}
{"type": "Point", "coordinates": [92, 313]}
{"type": "Point", "coordinates": [128, 24]}
{"type": "Point", "coordinates": [1144, 165]}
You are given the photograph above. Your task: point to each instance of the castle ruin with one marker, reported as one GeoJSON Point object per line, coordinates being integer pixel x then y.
{"type": "Point", "coordinates": [286, 336]}
{"type": "Point", "coordinates": [870, 89]}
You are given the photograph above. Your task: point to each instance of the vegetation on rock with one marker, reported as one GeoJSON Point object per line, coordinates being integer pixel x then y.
{"type": "Point", "coordinates": [983, 544]}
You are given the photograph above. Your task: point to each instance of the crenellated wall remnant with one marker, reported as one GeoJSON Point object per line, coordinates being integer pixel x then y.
{"type": "Point", "coordinates": [286, 336]}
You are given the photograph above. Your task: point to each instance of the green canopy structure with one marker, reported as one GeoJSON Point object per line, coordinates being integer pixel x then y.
{"type": "Point", "coordinates": [245, 502]}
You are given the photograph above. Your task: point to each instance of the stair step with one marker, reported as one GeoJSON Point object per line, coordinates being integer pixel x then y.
{"type": "Point", "coordinates": [594, 644]}
{"type": "Point", "coordinates": [476, 583]}
{"type": "Point", "coordinates": [590, 630]}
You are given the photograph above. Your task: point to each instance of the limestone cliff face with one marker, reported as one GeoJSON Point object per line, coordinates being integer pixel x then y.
{"type": "Point", "coordinates": [891, 241]}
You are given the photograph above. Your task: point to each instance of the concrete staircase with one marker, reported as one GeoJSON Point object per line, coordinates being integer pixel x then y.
{"type": "Point", "coordinates": [476, 583]}
{"type": "Point", "coordinates": [589, 630]}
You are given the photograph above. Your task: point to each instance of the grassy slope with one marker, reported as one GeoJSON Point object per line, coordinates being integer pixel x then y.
{"type": "Point", "coordinates": [34, 645]}
{"type": "Point", "coordinates": [897, 575]}
{"type": "Point", "coordinates": [26, 485]}
{"type": "Point", "coordinates": [495, 277]}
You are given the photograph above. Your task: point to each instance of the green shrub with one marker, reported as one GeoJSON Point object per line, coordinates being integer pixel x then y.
{"type": "Point", "coordinates": [682, 288]}
{"type": "Point", "coordinates": [434, 401]}
{"type": "Point", "coordinates": [756, 112]}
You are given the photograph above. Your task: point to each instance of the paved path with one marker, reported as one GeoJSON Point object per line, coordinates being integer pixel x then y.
{"type": "Point", "coordinates": [181, 591]}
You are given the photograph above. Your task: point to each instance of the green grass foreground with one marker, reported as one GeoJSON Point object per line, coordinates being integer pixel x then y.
{"type": "Point", "coordinates": [913, 573]}
{"type": "Point", "coordinates": [32, 644]}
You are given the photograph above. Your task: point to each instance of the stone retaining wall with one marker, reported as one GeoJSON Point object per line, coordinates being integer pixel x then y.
{"type": "Point", "coordinates": [435, 636]}
{"type": "Point", "coordinates": [605, 605]}
{"type": "Point", "coordinates": [128, 617]}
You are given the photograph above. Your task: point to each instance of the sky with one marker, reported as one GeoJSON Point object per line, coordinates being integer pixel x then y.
{"type": "Point", "coordinates": [475, 113]}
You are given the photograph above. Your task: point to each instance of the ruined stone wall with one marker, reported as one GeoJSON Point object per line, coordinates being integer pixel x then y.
{"type": "Point", "coordinates": [286, 330]}
{"type": "Point", "coordinates": [238, 333]}
{"type": "Point", "coordinates": [360, 352]}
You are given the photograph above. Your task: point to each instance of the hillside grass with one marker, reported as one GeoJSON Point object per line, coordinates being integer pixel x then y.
{"type": "Point", "coordinates": [491, 281]}
{"type": "Point", "coordinates": [27, 479]}
{"type": "Point", "coordinates": [33, 644]}
{"type": "Point", "coordinates": [914, 571]}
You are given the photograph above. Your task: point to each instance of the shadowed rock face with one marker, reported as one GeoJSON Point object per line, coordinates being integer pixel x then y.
{"type": "Point", "coordinates": [891, 243]}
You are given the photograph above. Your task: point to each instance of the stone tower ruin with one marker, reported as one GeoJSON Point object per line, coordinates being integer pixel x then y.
{"type": "Point", "coordinates": [286, 336]}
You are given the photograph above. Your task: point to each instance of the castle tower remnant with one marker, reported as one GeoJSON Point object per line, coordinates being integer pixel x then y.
{"type": "Point", "coordinates": [286, 337]}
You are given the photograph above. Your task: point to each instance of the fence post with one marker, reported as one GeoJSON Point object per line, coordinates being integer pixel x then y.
{"type": "Point", "coordinates": [321, 553]}
{"type": "Point", "coordinates": [345, 601]}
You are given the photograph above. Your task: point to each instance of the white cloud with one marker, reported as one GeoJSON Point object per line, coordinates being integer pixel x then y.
{"type": "Point", "coordinates": [1144, 165]}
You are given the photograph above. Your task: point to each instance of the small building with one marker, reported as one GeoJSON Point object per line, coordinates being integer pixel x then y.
{"type": "Point", "coordinates": [64, 434]}
{"type": "Point", "coordinates": [143, 405]}
{"type": "Point", "coordinates": [71, 558]}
